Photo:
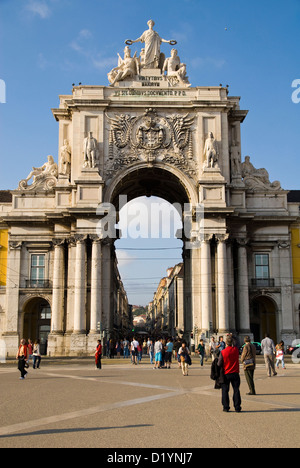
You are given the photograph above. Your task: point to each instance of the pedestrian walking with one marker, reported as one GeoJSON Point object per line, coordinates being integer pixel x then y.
{"type": "Point", "coordinates": [151, 351]}
{"type": "Point", "coordinates": [140, 352]}
{"type": "Point", "coordinates": [280, 355]}
{"type": "Point", "coordinates": [201, 352]}
{"type": "Point", "coordinates": [134, 351]}
{"type": "Point", "coordinates": [125, 348]}
{"type": "Point", "coordinates": [248, 359]}
{"type": "Point", "coordinates": [30, 350]}
{"type": "Point", "coordinates": [158, 354]}
{"type": "Point", "coordinates": [229, 360]}
{"type": "Point", "coordinates": [98, 355]}
{"type": "Point", "coordinates": [185, 359]}
{"type": "Point", "coordinates": [22, 358]}
{"type": "Point", "coordinates": [118, 348]}
{"type": "Point", "coordinates": [36, 355]}
{"type": "Point", "coordinates": [168, 353]}
{"type": "Point", "coordinates": [212, 349]}
{"type": "Point", "coordinates": [221, 345]}
{"type": "Point", "coordinates": [268, 349]}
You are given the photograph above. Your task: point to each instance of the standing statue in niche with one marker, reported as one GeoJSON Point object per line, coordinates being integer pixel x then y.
{"type": "Point", "coordinates": [65, 159]}
{"type": "Point", "coordinates": [151, 56]}
{"type": "Point", "coordinates": [90, 150]}
{"type": "Point", "coordinates": [211, 151]}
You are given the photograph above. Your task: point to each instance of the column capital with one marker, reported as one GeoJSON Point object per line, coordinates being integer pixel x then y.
{"type": "Point", "coordinates": [80, 238]}
{"type": "Point", "coordinates": [242, 241]}
{"type": "Point", "coordinates": [58, 242]}
{"type": "Point", "coordinates": [206, 238]}
{"type": "Point", "coordinates": [14, 245]}
{"type": "Point", "coordinates": [95, 239]}
{"type": "Point", "coordinates": [221, 238]}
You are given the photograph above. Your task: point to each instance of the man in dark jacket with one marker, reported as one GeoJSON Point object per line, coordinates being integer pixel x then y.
{"type": "Point", "coordinates": [229, 361]}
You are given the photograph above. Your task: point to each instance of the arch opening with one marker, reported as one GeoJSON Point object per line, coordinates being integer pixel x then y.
{"type": "Point", "coordinates": [263, 318]}
{"type": "Point", "coordinates": [37, 322]}
{"type": "Point", "coordinates": [152, 244]}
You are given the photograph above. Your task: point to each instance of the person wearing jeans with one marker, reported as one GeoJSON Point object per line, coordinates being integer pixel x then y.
{"type": "Point", "coordinates": [36, 355]}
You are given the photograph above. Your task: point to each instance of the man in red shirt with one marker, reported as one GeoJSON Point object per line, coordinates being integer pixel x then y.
{"type": "Point", "coordinates": [230, 361]}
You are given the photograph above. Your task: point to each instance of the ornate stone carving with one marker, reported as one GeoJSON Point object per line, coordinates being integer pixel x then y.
{"type": "Point", "coordinates": [128, 67]}
{"type": "Point", "coordinates": [211, 152]}
{"type": "Point", "coordinates": [151, 57]}
{"type": "Point", "coordinates": [151, 137]}
{"type": "Point", "coordinates": [65, 159]}
{"type": "Point", "coordinates": [257, 179]}
{"type": "Point", "coordinates": [44, 178]}
{"type": "Point", "coordinates": [90, 151]}
{"type": "Point", "coordinates": [176, 71]}
{"type": "Point", "coordinates": [150, 63]}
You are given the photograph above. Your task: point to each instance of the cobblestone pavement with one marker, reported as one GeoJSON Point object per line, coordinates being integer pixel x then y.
{"type": "Point", "coordinates": [125, 406]}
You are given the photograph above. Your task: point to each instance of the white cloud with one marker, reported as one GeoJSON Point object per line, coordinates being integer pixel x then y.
{"type": "Point", "coordinates": [124, 258]}
{"type": "Point", "coordinates": [39, 8]}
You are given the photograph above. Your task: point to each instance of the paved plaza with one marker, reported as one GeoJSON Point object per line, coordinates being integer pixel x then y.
{"type": "Point", "coordinates": [70, 404]}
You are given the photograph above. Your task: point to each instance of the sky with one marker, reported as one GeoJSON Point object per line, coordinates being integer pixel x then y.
{"type": "Point", "coordinates": [47, 45]}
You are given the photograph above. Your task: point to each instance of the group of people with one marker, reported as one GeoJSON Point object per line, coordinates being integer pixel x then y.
{"type": "Point", "coordinates": [27, 351]}
{"type": "Point", "coordinates": [225, 356]}
{"type": "Point", "coordinates": [160, 352]}
{"type": "Point", "coordinates": [226, 367]}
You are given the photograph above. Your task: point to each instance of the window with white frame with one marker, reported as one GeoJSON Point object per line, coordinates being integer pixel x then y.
{"type": "Point", "coordinates": [37, 270]}
{"type": "Point", "coordinates": [262, 267]}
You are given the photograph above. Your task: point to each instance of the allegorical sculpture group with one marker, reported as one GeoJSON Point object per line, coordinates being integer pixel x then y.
{"type": "Point", "coordinates": [149, 136]}
{"type": "Point", "coordinates": [150, 57]}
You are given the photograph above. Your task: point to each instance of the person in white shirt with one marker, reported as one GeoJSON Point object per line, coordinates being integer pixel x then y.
{"type": "Point", "coordinates": [158, 353]}
{"type": "Point", "coordinates": [134, 351]}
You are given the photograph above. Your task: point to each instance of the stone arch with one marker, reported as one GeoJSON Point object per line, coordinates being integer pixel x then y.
{"type": "Point", "coordinates": [264, 311]}
{"type": "Point", "coordinates": [36, 318]}
{"type": "Point", "coordinates": [171, 184]}
{"type": "Point", "coordinates": [151, 181]}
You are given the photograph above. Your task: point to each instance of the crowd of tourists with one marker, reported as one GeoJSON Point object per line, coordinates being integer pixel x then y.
{"type": "Point", "coordinates": [224, 354]}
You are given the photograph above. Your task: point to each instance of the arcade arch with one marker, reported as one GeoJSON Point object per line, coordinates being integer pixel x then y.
{"type": "Point", "coordinates": [263, 317]}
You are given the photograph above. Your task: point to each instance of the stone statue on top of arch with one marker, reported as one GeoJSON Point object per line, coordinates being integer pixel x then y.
{"type": "Point", "coordinates": [152, 57]}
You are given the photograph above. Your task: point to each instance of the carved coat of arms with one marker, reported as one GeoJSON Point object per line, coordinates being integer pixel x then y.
{"type": "Point", "coordinates": [151, 137]}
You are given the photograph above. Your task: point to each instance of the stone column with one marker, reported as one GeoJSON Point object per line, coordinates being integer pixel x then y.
{"type": "Point", "coordinates": [58, 286]}
{"type": "Point", "coordinates": [206, 286]}
{"type": "Point", "coordinates": [222, 284]}
{"type": "Point", "coordinates": [12, 289]}
{"type": "Point", "coordinates": [230, 284]}
{"type": "Point", "coordinates": [96, 285]}
{"type": "Point", "coordinates": [287, 332]}
{"type": "Point", "coordinates": [80, 285]}
{"type": "Point", "coordinates": [243, 288]}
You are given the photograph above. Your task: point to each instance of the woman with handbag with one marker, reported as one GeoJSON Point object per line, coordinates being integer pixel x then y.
{"type": "Point", "coordinates": [249, 360]}
{"type": "Point", "coordinates": [22, 358]}
{"type": "Point", "coordinates": [184, 354]}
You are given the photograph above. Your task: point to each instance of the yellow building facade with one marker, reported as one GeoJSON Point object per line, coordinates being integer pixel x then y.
{"type": "Point", "coordinates": [3, 256]}
{"type": "Point", "coordinates": [295, 240]}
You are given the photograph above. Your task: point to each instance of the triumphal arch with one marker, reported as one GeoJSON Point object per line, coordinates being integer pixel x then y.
{"type": "Point", "coordinates": [148, 132]}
